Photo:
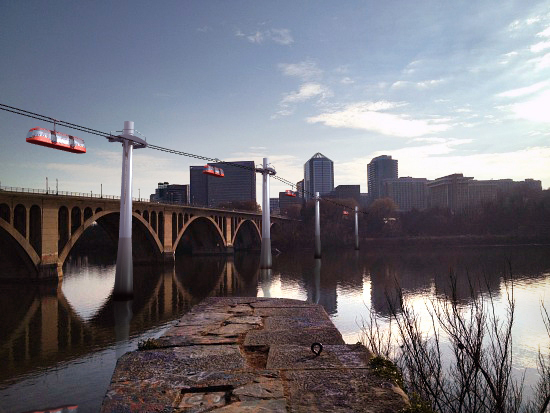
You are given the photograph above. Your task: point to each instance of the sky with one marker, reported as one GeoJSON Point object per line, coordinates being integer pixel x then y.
{"type": "Point", "coordinates": [442, 86]}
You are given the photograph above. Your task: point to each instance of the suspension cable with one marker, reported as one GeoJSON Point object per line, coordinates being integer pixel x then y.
{"type": "Point", "coordinates": [91, 131]}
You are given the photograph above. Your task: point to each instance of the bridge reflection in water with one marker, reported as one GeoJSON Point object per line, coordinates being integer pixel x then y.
{"type": "Point", "coordinates": [43, 326]}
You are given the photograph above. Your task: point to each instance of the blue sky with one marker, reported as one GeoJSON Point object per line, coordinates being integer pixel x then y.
{"type": "Point", "coordinates": [442, 86]}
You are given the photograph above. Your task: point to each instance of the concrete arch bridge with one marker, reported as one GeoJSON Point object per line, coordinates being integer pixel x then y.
{"type": "Point", "coordinates": [39, 230]}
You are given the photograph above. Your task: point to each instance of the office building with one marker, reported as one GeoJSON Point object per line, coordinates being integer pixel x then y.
{"type": "Point", "coordinates": [318, 176]}
{"type": "Point", "coordinates": [171, 193]}
{"type": "Point", "coordinates": [238, 184]}
{"type": "Point", "coordinates": [347, 192]}
{"type": "Point", "coordinates": [407, 193]}
{"type": "Point", "coordinates": [449, 191]}
{"type": "Point", "coordinates": [300, 189]}
{"type": "Point", "coordinates": [380, 168]}
{"type": "Point", "coordinates": [274, 206]}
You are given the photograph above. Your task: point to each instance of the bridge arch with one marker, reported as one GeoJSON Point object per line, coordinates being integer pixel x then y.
{"type": "Point", "coordinates": [247, 235]}
{"type": "Point", "coordinates": [200, 235]}
{"type": "Point", "coordinates": [143, 228]}
{"type": "Point", "coordinates": [22, 247]}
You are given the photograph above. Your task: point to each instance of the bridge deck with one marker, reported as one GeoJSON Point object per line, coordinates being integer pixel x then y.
{"type": "Point", "coordinates": [251, 355]}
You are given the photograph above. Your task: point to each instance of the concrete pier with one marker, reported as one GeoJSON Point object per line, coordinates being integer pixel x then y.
{"type": "Point", "coordinates": [251, 355]}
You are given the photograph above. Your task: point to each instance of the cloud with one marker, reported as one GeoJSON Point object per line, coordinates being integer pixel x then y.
{"type": "Point", "coordinates": [369, 116]}
{"type": "Point", "coordinates": [347, 81]}
{"type": "Point", "coordinates": [279, 36]}
{"type": "Point", "coordinates": [525, 90]}
{"type": "Point", "coordinates": [543, 62]}
{"type": "Point", "coordinates": [307, 91]}
{"type": "Point", "coordinates": [544, 33]}
{"type": "Point", "coordinates": [539, 47]}
{"type": "Point", "coordinates": [418, 85]}
{"type": "Point", "coordinates": [257, 37]}
{"type": "Point", "coordinates": [536, 109]}
{"type": "Point", "coordinates": [306, 70]}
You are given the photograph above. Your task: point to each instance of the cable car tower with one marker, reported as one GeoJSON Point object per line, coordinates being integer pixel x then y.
{"type": "Point", "coordinates": [265, 257]}
{"type": "Point", "coordinates": [124, 277]}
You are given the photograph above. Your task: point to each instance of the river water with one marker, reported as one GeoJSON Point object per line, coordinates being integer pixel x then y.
{"type": "Point", "coordinates": [59, 344]}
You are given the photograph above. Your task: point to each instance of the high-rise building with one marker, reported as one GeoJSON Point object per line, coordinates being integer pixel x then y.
{"type": "Point", "coordinates": [380, 168]}
{"type": "Point", "coordinates": [300, 189]}
{"type": "Point", "coordinates": [318, 176]}
{"type": "Point", "coordinates": [173, 194]}
{"type": "Point", "coordinates": [407, 193]}
{"type": "Point", "coordinates": [238, 184]}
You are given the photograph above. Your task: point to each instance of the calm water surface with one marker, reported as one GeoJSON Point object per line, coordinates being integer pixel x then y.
{"type": "Point", "coordinates": [59, 345]}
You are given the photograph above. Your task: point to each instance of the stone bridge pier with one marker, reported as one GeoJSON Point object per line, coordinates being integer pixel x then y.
{"type": "Point", "coordinates": [38, 231]}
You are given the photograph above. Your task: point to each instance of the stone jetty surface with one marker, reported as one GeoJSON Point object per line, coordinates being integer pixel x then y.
{"type": "Point", "coordinates": [236, 355]}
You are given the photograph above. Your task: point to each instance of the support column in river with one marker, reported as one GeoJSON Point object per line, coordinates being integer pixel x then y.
{"type": "Point", "coordinates": [124, 277]}
{"type": "Point", "coordinates": [265, 258]}
{"type": "Point", "coordinates": [357, 228]}
{"type": "Point", "coordinates": [317, 227]}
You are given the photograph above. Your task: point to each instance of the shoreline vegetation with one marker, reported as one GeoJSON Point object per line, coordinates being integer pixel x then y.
{"type": "Point", "coordinates": [522, 217]}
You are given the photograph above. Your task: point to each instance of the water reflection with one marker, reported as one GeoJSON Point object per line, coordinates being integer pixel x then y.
{"type": "Point", "coordinates": [77, 322]}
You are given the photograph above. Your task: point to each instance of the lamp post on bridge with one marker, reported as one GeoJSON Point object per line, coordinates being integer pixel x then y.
{"type": "Point", "coordinates": [265, 257]}
{"type": "Point", "coordinates": [124, 277]}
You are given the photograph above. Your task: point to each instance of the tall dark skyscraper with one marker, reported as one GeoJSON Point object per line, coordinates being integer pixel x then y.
{"type": "Point", "coordinates": [318, 176]}
{"type": "Point", "coordinates": [238, 184]}
{"type": "Point", "coordinates": [380, 168]}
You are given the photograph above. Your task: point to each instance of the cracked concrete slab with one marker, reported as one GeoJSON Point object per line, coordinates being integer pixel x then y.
{"type": "Point", "coordinates": [250, 355]}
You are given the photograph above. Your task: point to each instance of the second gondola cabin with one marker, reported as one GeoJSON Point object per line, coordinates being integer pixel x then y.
{"type": "Point", "coordinates": [56, 140]}
{"type": "Point", "coordinates": [212, 170]}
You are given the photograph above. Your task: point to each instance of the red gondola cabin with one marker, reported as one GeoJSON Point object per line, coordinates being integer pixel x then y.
{"type": "Point", "coordinates": [212, 170]}
{"type": "Point", "coordinates": [56, 140]}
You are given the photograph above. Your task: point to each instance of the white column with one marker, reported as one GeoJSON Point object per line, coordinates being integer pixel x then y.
{"type": "Point", "coordinates": [317, 227]}
{"type": "Point", "coordinates": [124, 277]}
{"type": "Point", "coordinates": [265, 258]}
{"type": "Point", "coordinates": [356, 228]}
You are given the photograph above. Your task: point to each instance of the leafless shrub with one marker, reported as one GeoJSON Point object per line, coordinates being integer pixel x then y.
{"type": "Point", "coordinates": [474, 372]}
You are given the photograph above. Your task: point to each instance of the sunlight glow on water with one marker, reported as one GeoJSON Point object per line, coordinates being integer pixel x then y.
{"type": "Point", "coordinates": [89, 290]}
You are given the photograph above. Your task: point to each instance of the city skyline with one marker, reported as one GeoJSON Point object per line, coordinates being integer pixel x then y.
{"type": "Point", "coordinates": [455, 88]}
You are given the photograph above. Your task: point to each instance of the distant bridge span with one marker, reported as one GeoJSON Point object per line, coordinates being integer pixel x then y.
{"type": "Point", "coordinates": [42, 228]}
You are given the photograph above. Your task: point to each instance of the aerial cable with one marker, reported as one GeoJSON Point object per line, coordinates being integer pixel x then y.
{"type": "Point", "coordinates": [91, 131]}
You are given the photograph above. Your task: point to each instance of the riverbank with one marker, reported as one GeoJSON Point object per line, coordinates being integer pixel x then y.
{"type": "Point", "coordinates": [455, 240]}
{"type": "Point", "coordinates": [251, 354]}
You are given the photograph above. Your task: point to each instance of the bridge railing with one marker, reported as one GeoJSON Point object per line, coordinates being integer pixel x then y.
{"type": "Point", "coordinates": [60, 193]}
{"type": "Point", "coordinates": [102, 196]}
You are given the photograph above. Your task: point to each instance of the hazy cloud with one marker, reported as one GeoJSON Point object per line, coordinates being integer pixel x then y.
{"type": "Point", "coordinates": [525, 90]}
{"type": "Point", "coordinates": [418, 85]}
{"type": "Point", "coordinates": [307, 91]}
{"type": "Point", "coordinates": [279, 36]}
{"type": "Point", "coordinates": [370, 116]}
{"type": "Point", "coordinates": [306, 70]}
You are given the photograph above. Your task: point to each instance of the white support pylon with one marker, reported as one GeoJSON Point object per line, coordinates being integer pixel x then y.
{"type": "Point", "coordinates": [317, 227]}
{"type": "Point", "coordinates": [265, 257]}
{"type": "Point", "coordinates": [356, 228]}
{"type": "Point", "coordinates": [124, 276]}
